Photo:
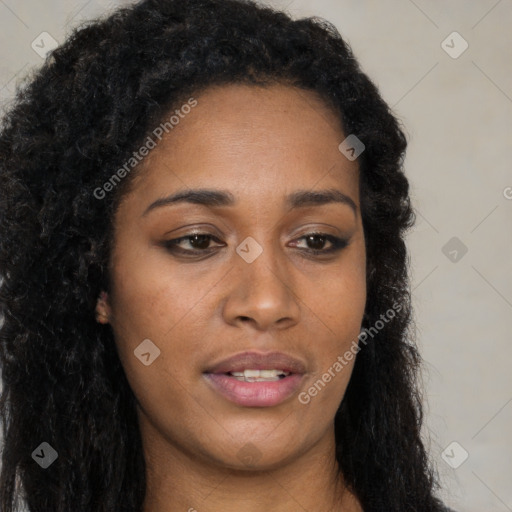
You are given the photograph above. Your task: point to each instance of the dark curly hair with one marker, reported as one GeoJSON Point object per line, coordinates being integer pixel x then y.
{"type": "Point", "coordinates": [76, 120]}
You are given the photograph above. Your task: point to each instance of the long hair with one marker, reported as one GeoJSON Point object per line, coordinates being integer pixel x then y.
{"type": "Point", "coordinates": [71, 125]}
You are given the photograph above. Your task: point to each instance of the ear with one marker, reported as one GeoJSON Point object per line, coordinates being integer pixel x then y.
{"type": "Point", "coordinates": [103, 311]}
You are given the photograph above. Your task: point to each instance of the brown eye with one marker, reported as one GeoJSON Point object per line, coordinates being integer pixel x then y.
{"type": "Point", "coordinates": [316, 243]}
{"type": "Point", "coordinates": [198, 242]}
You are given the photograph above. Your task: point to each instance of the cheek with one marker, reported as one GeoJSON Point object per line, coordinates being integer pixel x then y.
{"type": "Point", "coordinates": [151, 298]}
{"type": "Point", "coordinates": [152, 301]}
{"type": "Point", "coordinates": [340, 300]}
{"type": "Point", "coordinates": [337, 309]}
{"type": "Point", "coordinates": [147, 307]}
{"type": "Point", "coordinates": [342, 304]}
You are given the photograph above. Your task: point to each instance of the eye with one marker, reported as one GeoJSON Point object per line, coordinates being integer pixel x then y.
{"type": "Point", "coordinates": [199, 244]}
{"type": "Point", "coordinates": [317, 241]}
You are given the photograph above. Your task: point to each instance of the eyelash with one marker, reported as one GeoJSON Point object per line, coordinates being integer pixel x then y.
{"type": "Point", "coordinates": [337, 244]}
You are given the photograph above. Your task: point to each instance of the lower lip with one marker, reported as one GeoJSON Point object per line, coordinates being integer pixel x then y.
{"type": "Point", "coordinates": [254, 394]}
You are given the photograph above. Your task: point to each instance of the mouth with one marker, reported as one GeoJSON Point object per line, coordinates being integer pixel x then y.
{"type": "Point", "coordinates": [259, 375]}
{"type": "Point", "coordinates": [251, 379]}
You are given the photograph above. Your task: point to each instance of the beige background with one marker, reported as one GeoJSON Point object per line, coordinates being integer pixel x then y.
{"type": "Point", "coordinates": [457, 114]}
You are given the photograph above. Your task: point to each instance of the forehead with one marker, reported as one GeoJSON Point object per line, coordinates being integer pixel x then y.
{"type": "Point", "coordinates": [254, 140]}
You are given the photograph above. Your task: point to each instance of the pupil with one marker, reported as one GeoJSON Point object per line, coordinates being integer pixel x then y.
{"type": "Point", "coordinates": [203, 241]}
{"type": "Point", "coordinates": [317, 240]}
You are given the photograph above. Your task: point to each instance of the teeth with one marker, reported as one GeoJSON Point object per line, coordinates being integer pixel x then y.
{"type": "Point", "coordinates": [259, 375]}
{"type": "Point", "coordinates": [269, 373]}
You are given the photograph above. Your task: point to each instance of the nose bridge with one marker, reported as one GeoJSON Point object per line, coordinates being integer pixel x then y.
{"type": "Point", "coordinates": [266, 268]}
{"type": "Point", "coordinates": [264, 288]}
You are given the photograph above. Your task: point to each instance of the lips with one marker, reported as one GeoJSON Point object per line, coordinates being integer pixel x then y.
{"type": "Point", "coordinates": [258, 361]}
{"type": "Point", "coordinates": [238, 380]}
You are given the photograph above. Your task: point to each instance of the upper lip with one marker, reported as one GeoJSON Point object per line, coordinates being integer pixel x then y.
{"type": "Point", "coordinates": [258, 361]}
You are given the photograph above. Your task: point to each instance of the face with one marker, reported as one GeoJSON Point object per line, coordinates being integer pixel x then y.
{"type": "Point", "coordinates": [266, 273]}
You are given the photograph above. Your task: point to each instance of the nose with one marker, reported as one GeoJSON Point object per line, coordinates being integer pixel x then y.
{"type": "Point", "coordinates": [262, 293]}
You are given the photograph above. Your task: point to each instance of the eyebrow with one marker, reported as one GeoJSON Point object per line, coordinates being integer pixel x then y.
{"type": "Point", "coordinates": [217, 198]}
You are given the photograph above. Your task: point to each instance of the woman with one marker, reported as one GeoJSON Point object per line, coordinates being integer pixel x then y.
{"type": "Point", "coordinates": [205, 287]}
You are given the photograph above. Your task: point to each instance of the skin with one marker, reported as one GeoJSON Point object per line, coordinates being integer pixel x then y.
{"type": "Point", "coordinates": [260, 144]}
